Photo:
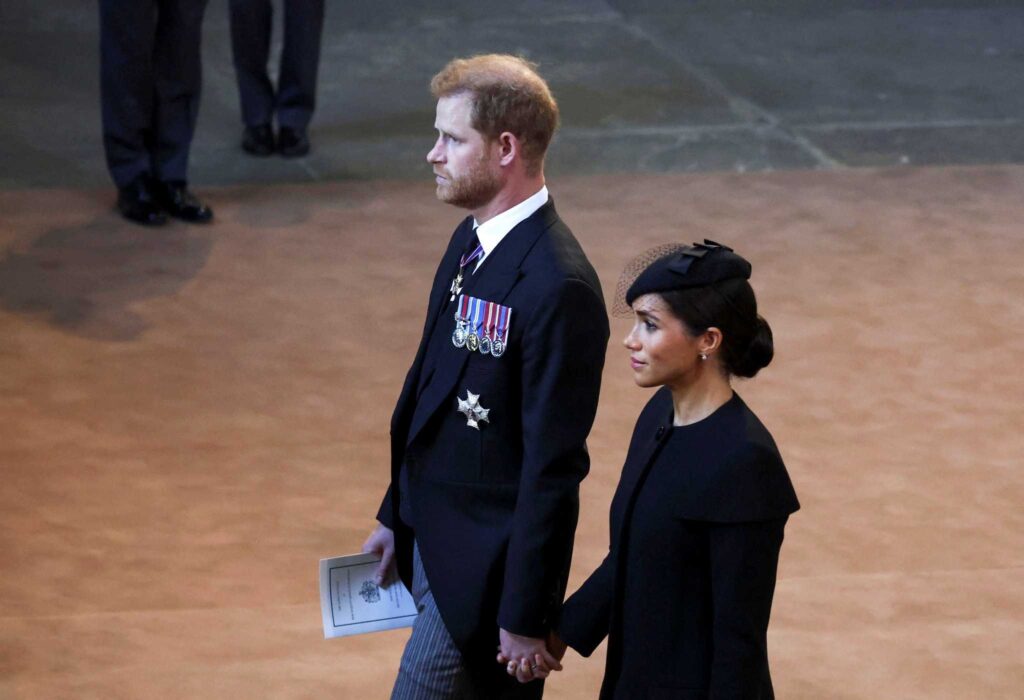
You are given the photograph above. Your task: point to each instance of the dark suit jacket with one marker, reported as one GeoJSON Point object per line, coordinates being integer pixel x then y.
{"type": "Point", "coordinates": [685, 592]}
{"type": "Point", "coordinates": [494, 510]}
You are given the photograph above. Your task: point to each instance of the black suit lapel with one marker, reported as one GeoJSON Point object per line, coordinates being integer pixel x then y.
{"type": "Point", "coordinates": [494, 280]}
{"type": "Point", "coordinates": [439, 294]}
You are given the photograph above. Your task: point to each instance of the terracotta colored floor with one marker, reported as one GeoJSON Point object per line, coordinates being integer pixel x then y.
{"type": "Point", "coordinates": [191, 417]}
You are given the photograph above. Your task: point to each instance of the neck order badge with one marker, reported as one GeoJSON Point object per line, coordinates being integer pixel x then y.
{"type": "Point", "coordinates": [473, 251]}
{"type": "Point", "coordinates": [481, 326]}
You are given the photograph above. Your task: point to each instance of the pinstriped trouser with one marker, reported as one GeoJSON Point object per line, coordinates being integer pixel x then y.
{"type": "Point", "coordinates": [432, 666]}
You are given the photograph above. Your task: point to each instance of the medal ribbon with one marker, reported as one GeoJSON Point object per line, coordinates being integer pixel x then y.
{"type": "Point", "coordinates": [485, 319]}
{"type": "Point", "coordinates": [470, 257]}
{"type": "Point", "coordinates": [504, 320]}
{"type": "Point", "coordinates": [489, 320]}
{"type": "Point", "coordinates": [477, 319]}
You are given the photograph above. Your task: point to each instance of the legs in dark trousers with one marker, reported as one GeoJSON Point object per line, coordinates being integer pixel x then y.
{"type": "Point", "coordinates": [127, 35]}
{"type": "Point", "coordinates": [149, 82]}
{"type": "Point", "coordinates": [177, 68]}
{"type": "Point", "coordinates": [296, 93]}
{"type": "Point", "coordinates": [251, 25]}
{"type": "Point", "coordinates": [295, 98]}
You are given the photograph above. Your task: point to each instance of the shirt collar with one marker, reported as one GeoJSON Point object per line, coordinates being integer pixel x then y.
{"type": "Point", "coordinates": [492, 231]}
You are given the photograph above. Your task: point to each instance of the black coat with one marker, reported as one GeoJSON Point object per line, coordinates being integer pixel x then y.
{"type": "Point", "coordinates": [685, 592]}
{"type": "Point", "coordinates": [494, 510]}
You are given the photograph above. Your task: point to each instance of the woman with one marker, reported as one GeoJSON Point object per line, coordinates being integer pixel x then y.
{"type": "Point", "coordinates": [697, 520]}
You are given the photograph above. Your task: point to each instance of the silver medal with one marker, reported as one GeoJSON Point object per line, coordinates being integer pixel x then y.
{"type": "Point", "coordinates": [475, 413]}
{"type": "Point", "coordinates": [459, 334]}
{"type": "Point", "coordinates": [497, 347]}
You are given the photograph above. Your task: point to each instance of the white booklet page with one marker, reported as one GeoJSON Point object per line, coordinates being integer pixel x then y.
{"type": "Point", "coordinates": [352, 603]}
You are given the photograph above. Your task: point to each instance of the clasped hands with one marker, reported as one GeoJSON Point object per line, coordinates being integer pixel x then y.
{"type": "Point", "coordinates": [526, 658]}
{"type": "Point", "coordinates": [530, 658]}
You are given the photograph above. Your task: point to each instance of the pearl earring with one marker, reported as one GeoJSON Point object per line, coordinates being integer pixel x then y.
{"type": "Point", "coordinates": [703, 356]}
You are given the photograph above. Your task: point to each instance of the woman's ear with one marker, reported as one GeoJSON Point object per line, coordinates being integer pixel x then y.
{"type": "Point", "coordinates": [710, 341]}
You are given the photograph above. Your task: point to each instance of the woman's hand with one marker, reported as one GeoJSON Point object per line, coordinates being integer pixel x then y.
{"type": "Point", "coordinates": [556, 647]}
{"type": "Point", "coordinates": [526, 658]}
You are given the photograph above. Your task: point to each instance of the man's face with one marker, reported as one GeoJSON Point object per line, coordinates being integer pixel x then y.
{"type": "Point", "coordinates": [465, 164]}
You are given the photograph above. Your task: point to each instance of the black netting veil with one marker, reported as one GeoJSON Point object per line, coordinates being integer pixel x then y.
{"type": "Point", "coordinates": [633, 270]}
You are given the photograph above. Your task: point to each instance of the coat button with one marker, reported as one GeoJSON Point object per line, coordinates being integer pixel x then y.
{"type": "Point", "coordinates": [659, 432]}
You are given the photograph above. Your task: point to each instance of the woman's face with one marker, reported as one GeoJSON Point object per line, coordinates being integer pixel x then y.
{"type": "Point", "coordinates": [661, 351]}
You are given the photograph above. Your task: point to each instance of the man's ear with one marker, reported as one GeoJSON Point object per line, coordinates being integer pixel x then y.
{"type": "Point", "coordinates": [508, 148]}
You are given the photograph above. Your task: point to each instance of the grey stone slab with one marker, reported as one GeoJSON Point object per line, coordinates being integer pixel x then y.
{"type": "Point", "coordinates": [403, 16]}
{"type": "Point", "coordinates": [854, 64]}
{"type": "Point", "coordinates": [63, 16]}
{"type": "Point", "coordinates": [653, 85]}
{"type": "Point", "coordinates": [801, 8]}
{"type": "Point", "coordinates": [593, 82]}
{"type": "Point", "coordinates": [49, 66]}
{"type": "Point", "coordinates": [26, 167]}
{"type": "Point", "coordinates": [740, 149]}
{"type": "Point", "coordinates": [61, 127]}
{"type": "Point", "coordinates": [945, 145]}
{"type": "Point", "coordinates": [227, 164]}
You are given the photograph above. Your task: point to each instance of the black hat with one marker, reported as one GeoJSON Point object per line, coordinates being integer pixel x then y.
{"type": "Point", "coordinates": [697, 265]}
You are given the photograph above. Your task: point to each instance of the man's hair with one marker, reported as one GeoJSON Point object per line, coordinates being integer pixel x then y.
{"type": "Point", "coordinates": [507, 95]}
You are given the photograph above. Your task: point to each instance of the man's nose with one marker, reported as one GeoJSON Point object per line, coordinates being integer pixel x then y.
{"type": "Point", "coordinates": [434, 154]}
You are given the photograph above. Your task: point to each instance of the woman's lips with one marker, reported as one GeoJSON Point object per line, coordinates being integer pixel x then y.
{"type": "Point", "coordinates": [636, 364]}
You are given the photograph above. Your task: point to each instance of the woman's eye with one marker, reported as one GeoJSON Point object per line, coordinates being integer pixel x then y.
{"type": "Point", "coordinates": [650, 326]}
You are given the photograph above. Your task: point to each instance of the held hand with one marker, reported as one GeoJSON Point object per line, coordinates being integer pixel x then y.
{"type": "Point", "coordinates": [556, 647]}
{"type": "Point", "coordinates": [382, 542]}
{"type": "Point", "coordinates": [526, 658]}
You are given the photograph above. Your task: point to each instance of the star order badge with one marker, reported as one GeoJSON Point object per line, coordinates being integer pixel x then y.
{"type": "Point", "coordinates": [475, 413]}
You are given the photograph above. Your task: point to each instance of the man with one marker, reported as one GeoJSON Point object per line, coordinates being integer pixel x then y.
{"type": "Point", "coordinates": [488, 436]}
{"type": "Point", "coordinates": [295, 97]}
{"type": "Point", "coordinates": [150, 76]}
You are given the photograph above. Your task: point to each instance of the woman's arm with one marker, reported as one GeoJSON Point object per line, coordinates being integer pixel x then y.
{"type": "Point", "coordinates": [586, 616]}
{"type": "Point", "coordinates": [744, 559]}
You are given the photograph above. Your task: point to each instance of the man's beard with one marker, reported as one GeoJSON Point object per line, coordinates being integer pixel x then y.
{"type": "Point", "coordinates": [472, 190]}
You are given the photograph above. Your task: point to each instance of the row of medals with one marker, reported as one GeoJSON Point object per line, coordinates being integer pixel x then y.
{"type": "Point", "coordinates": [463, 337]}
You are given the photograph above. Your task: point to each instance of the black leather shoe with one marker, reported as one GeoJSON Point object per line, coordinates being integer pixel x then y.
{"type": "Point", "coordinates": [177, 201]}
{"type": "Point", "coordinates": [258, 140]}
{"type": "Point", "coordinates": [292, 143]}
{"type": "Point", "coordinates": [137, 203]}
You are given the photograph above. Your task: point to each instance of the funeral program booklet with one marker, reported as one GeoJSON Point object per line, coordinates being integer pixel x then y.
{"type": "Point", "coordinates": [352, 603]}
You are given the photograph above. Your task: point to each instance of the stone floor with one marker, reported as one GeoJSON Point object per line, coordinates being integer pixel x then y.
{"type": "Point", "coordinates": [191, 417]}
{"type": "Point", "coordinates": [645, 86]}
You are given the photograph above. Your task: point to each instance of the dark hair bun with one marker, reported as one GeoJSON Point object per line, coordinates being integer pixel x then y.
{"type": "Point", "coordinates": [759, 352]}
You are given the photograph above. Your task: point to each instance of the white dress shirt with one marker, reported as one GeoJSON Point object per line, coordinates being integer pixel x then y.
{"type": "Point", "coordinates": [492, 231]}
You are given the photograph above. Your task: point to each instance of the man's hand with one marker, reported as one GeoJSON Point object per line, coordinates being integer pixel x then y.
{"type": "Point", "coordinates": [526, 658]}
{"type": "Point", "coordinates": [382, 542]}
